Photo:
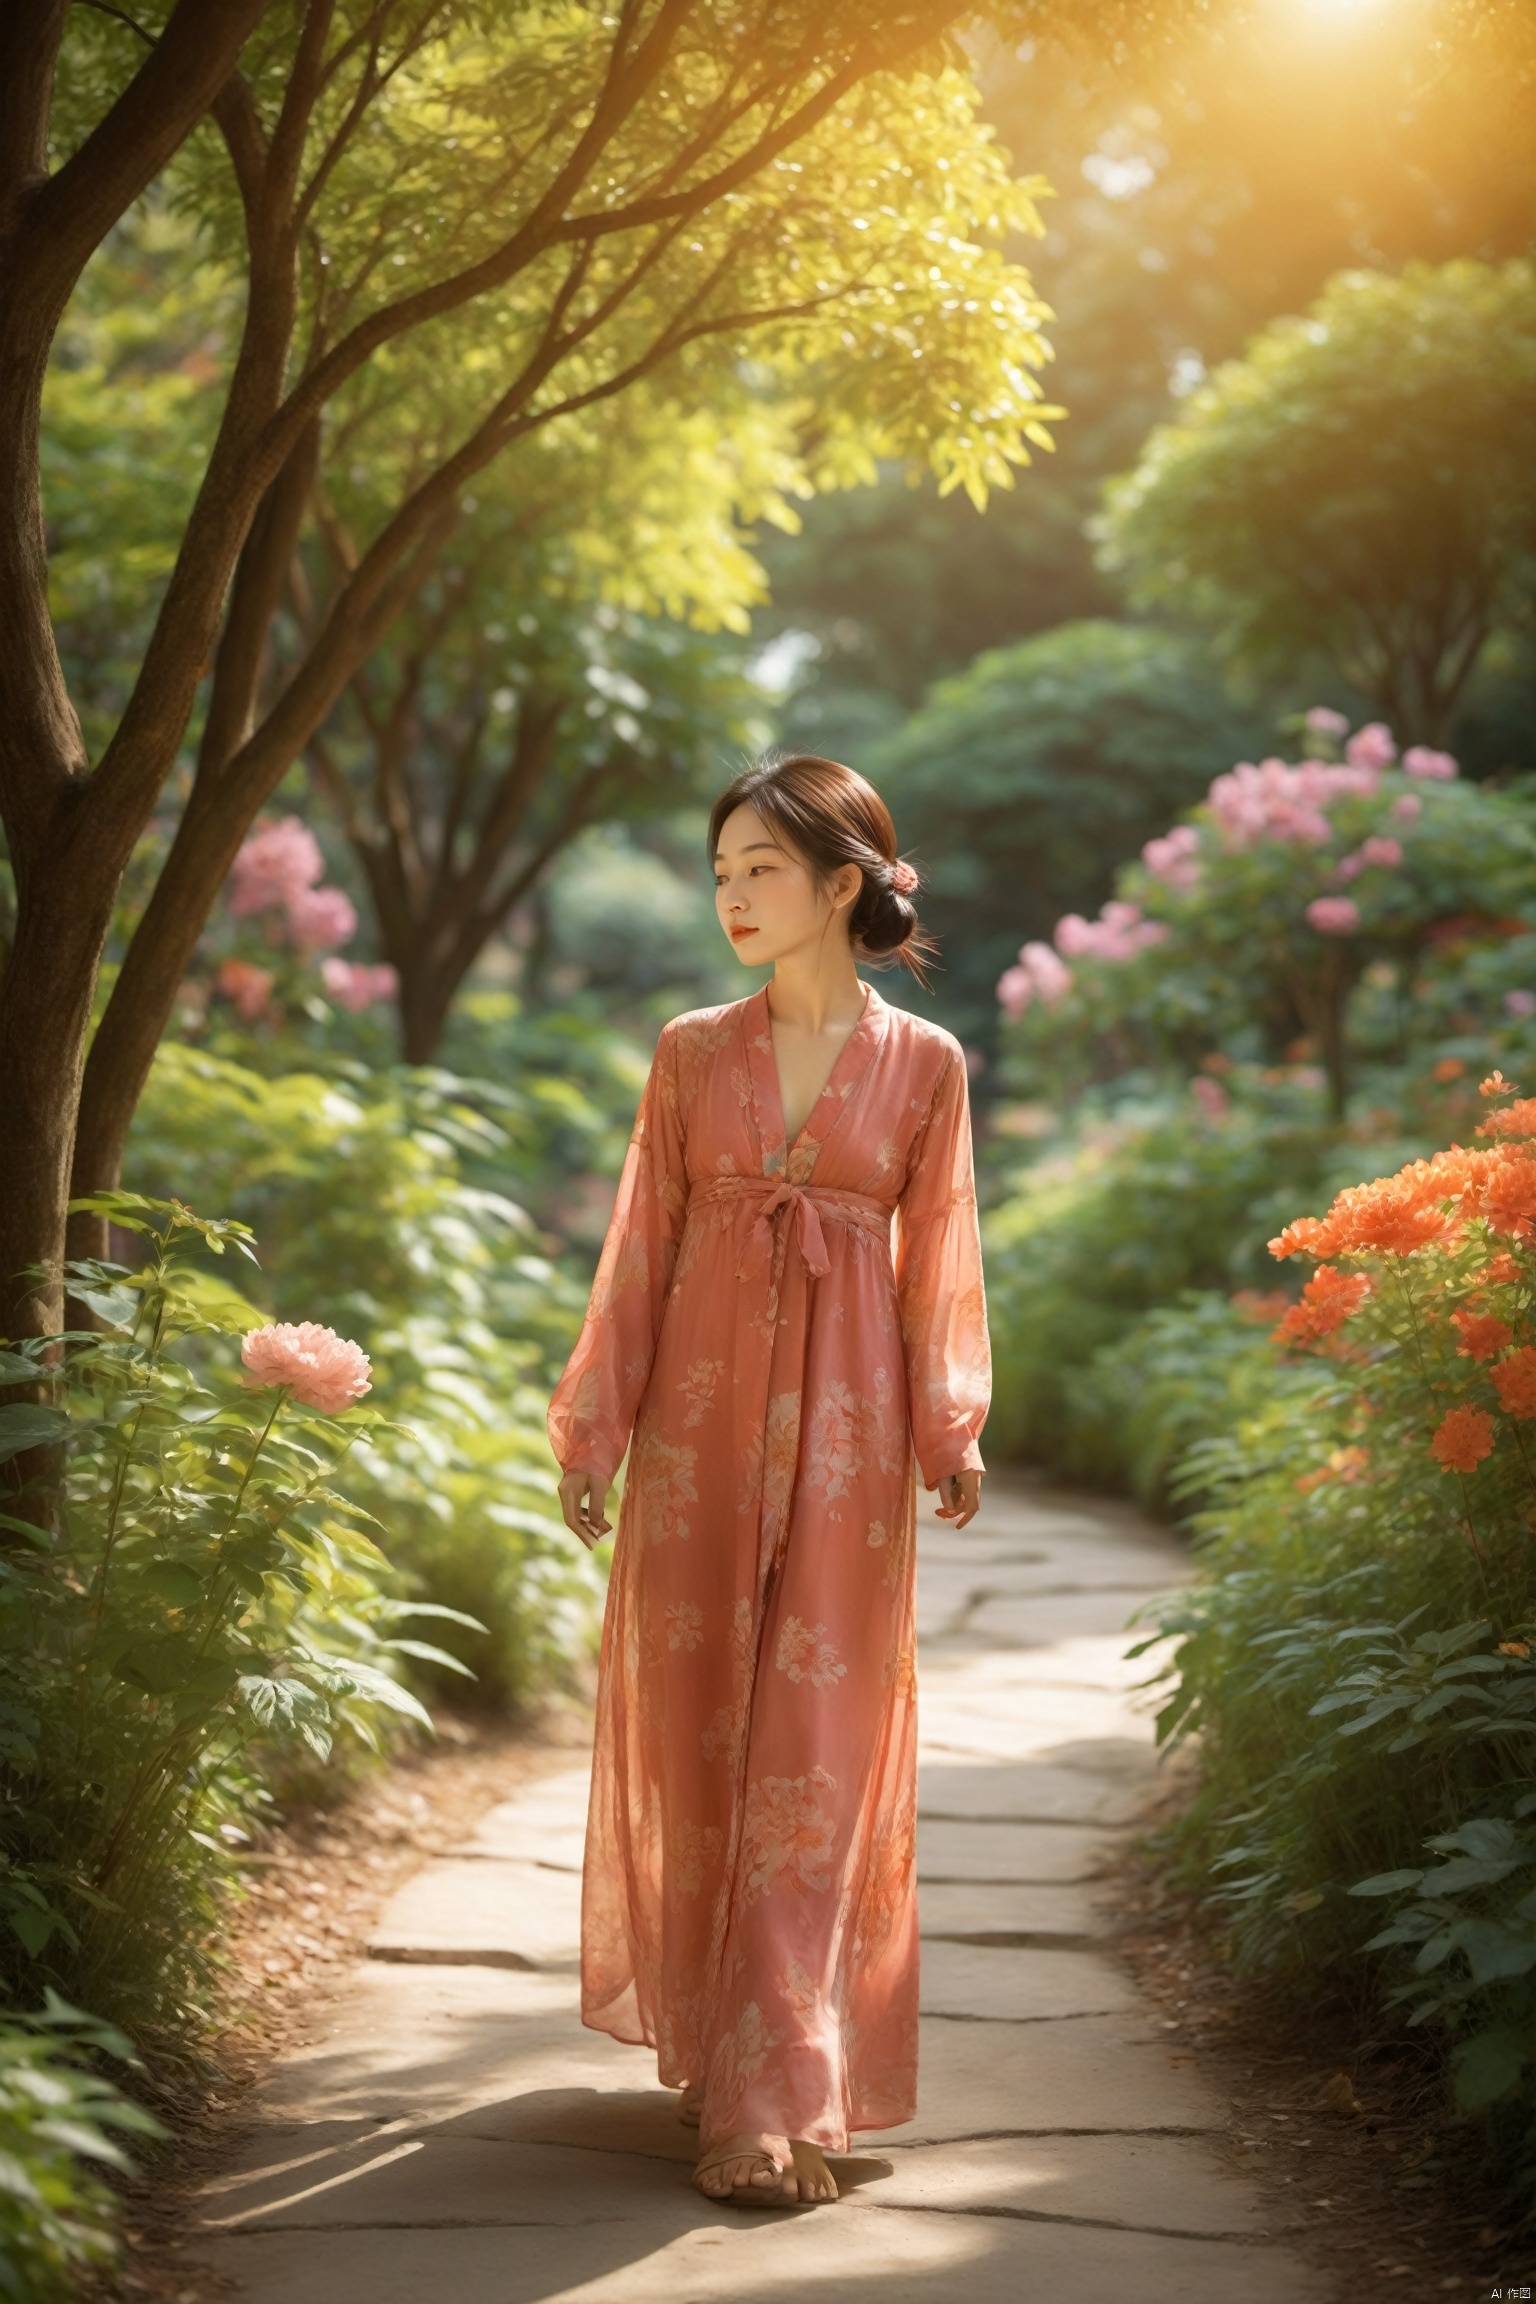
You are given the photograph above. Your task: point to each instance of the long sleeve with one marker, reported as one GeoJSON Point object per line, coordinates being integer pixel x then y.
{"type": "Point", "coordinates": [939, 1284]}
{"type": "Point", "coordinates": [593, 1408]}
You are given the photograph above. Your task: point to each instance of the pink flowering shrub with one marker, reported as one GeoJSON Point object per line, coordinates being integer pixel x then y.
{"type": "Point", "coordinates": [1233, 931]}
{"type": "Point", "coordinates": [277, 889]}
{"type": "Point", "coordinates": [277, 865]}
{"type": "Point", "coordinates": [1119, 933]}
{"type": "Point", "coordinates": [353, 985]}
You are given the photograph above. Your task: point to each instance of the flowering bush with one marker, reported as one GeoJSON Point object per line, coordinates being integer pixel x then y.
{"type": "Point", "coordinates": [371, 1198]}
{"type": "Point", "coordinates": [1330, 904]}
{"type": "Point", "coordinates": [210, 1594]}
{"type": "Point", "coordinates": [291, 921]}
{"type": "Point", "coordinates": [1361, 1658]}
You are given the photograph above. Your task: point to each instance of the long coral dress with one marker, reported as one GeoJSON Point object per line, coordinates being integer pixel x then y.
{"type": "Point", "coordinates": [749, 1904]}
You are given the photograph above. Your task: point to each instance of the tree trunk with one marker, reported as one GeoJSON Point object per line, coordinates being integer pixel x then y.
{"type": "Point", "coordinates": [63, 911]}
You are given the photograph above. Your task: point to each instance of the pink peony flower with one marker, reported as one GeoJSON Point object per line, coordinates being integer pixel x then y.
{"type": "Point", "coordinates": [1380, 850]}
{"type": "Point", "coordinates": [320, 1368]}
{"type": "Point", "coordinates": [277, 862]}
{"type": "Point", "coordinates": [1408, 808]}
{"type": "Point", "coordinates": [1439, 767]}
{"type": "Point", "coordinates": [354, 985]}
{"type": "Point", "coordinates": [1371, 746]}
{"type": "Point", "coordinates": [246, 985]}
{"type": "Point", "coordinates": [1333, 915]}
{"type": "Point", "coordinates": [1324, 721]}
{"type": "Point", "coordinates": [1038, 976]}
{"type": "Point", "coordinates": [1520, 1003]}
{"type": "Point", "coordinates": [1211, 1097]}
{"type": "Point", "coordinates": [321, 918]}
{"type": "Point", "coordinates": [1119, 933]}
{"type": "Point", "coordinates": [1175, 859]}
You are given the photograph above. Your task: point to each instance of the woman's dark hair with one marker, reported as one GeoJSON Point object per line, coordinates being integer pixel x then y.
{"type": "Point", "coordinates": [831, 816]}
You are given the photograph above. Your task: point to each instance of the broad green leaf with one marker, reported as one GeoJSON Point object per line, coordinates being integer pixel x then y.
{"type": "Point", "coordinates": [1386, 1884]}
{"type": "Point", "coordinates": [24, 1425]}
{"type": "Point", "coordinates": [1487, 2067]}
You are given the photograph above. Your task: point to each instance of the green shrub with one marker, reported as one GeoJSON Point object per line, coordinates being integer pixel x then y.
{"type": "Point", "coordinates": [1136, 1209]}
{"type": "Point", "coordinates": [57, 2111]}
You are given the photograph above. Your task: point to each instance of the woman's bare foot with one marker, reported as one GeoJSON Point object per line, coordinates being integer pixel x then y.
{"type": "Point", "coordinates": [764, 2171]}
{"type": "Point", "coordinates": [691, 2105]}
{"type": "Point", "coordinates": [813, 2179]}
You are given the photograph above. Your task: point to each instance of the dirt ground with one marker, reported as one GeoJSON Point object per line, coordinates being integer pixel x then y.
{"type": "Point", "coordinates": [1356, 2130]}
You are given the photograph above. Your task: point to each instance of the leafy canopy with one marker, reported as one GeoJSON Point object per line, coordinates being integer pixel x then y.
{"type": "Point", "coordinates": [1360, 488]}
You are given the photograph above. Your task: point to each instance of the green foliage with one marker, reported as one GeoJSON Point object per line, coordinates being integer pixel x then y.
{"type": "Point", "coordinates": [59, 2121]}
{"type": "Point", "coordinates": [208, 1589]}
{"type": "Point", "coordinates": [356, 1188]}
{"type": "Point", "coordinates": [1024, 780]}
{"type": "Point", "coordinates": [130, 404]}
{"type": "Point", "coordinates": [1123, 1218]}
{"type": "Point", "coordinates": [1359, 488]}
{"type": "Point", "coordinates": [1358, 1657]}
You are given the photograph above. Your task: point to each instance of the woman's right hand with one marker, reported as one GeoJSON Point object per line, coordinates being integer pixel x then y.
{"type": "Point", "coordinates": [582, 1496]}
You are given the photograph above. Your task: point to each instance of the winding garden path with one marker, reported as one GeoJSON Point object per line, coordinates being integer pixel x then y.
{"type": "Point", "coordinates": [457, 2134]}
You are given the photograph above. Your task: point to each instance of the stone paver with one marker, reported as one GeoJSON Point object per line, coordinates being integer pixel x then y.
{"type": "Point", "coordinates": [456, 2133]}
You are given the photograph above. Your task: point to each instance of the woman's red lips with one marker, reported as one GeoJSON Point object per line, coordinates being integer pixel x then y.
{"type": "Point", "coordinates": [738, 932]}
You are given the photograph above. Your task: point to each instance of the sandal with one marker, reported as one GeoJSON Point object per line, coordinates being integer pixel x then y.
{"type": "Point", "coordinates": [751, 2194]}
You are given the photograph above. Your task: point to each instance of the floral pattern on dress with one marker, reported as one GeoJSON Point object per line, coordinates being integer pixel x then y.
{"type": "Point", "coordinates": [742, 2052]}
{"type": "Point", "coordinates": [748, 1904]}
{"type": "Point", "coordinates": [685, 1625]}
{"type": "Point", "coordinates": [694, 1848]}
{"type": "Point", "coordinates": [805, 1653]}
{"type": "Point", "coordinates": [664, 1476]}
{"type": "Point", "coordinates": [698, 1388]}
{"type": "Point", "coordinates": [788, 1830]}
{"type": "Point", "coordinates": [848, 1430]}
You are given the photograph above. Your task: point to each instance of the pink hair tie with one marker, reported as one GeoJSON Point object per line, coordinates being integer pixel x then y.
{"type": "Point", "coordinates": [903, 877]}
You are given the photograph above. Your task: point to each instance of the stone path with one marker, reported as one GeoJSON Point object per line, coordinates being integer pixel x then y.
{"type": "Point", "coordinates": [457, 2134]}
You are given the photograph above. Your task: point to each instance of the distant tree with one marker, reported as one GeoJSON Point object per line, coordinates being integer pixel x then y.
{"type": "Point", "coordinates": [1024, 781]}
{"type": "Point", "coordinates": [1360, 488]}
{"type": "Point", "coordinates": [501, 720]}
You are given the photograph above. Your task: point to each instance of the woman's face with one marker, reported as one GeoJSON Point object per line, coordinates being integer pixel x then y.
{"type": "Point", "coordinates": [766, 895]}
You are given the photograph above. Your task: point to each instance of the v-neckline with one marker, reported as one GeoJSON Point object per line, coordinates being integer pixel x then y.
{"type": "Point", "coordinates": [829, 1086]}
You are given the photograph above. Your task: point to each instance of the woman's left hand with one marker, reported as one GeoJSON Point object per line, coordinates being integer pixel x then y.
{"type": "Point", "coordinates": [959, 1497]}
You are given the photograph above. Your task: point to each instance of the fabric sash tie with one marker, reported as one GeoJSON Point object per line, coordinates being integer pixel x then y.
{"type": "Point", "coordinates": [808, 1203]}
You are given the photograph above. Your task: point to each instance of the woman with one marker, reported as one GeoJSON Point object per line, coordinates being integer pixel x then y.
{"type": "Point", "coordinates": [748, 1904]}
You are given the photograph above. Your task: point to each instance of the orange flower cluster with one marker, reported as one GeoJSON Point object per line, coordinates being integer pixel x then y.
{"type": "Point", "coordinates": [1482, 1336]}
{"type": "Point", "coordinates": [1514, 1380]}
{"type": "Point", "coordinates": [1515, 1120]}
{"type": "Point", "coordinates": [1327, 1301]}
{"type": "Point", "coordinates": [1428, 1201]}
{"type": "Point", "coordinates": [1463, 1438]}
